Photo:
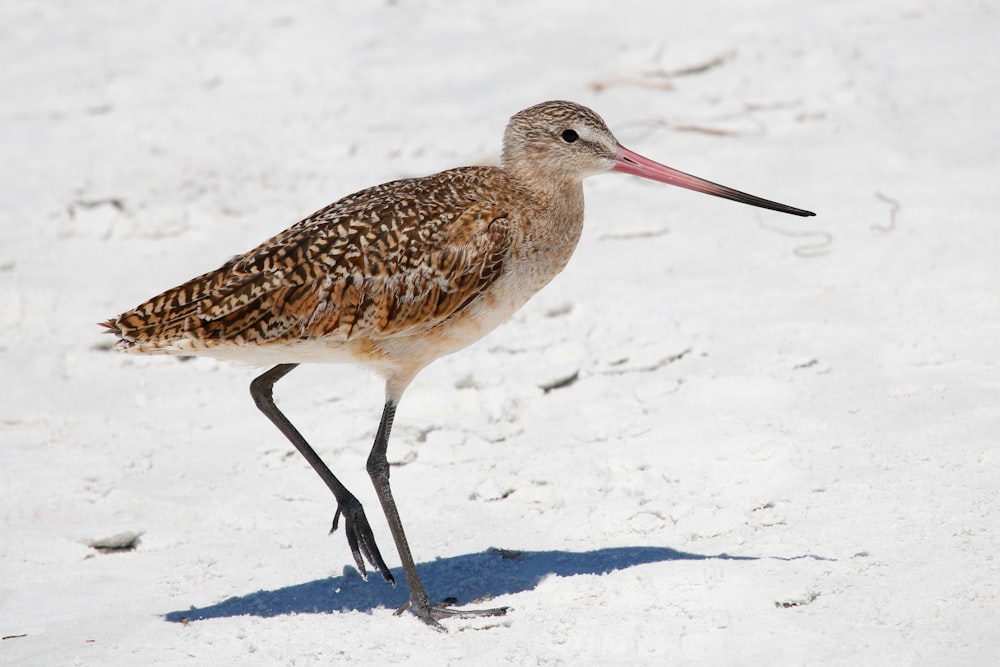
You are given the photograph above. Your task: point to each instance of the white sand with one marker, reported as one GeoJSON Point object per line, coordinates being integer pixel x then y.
{"type": "Point", "coordinates": [814, 482]}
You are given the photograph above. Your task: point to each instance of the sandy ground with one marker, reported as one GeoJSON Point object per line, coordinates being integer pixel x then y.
{"type": "Point", "coordinates": [779, 444]}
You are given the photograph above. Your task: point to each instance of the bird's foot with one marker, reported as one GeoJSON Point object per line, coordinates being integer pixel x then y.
{"type": "Point", "coordinates": [360, 537]}
{"type": "Point", "coordinates": [433, 612]}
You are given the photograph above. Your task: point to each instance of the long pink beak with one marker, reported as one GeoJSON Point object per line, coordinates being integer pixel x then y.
{"type": "Point", "coordinates": [632, 163]}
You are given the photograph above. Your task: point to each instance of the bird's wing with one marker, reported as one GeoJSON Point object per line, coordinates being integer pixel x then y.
{"type": "Point", "coordinates": [393, 260]}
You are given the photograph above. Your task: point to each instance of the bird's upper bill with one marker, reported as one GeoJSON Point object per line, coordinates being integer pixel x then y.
{"type": "Point", "coordinates": [630, 162]}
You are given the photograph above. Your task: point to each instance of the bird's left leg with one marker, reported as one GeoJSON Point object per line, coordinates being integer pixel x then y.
{"type": "Point", "coordinates": [378, 469]}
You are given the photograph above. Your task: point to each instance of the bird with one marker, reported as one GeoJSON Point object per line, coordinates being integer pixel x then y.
{"type": "Point", "coordinates": [396, 276]}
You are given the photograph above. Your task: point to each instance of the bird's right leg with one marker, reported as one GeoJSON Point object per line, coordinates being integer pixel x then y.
{"type": "Point", "coordinates": [359, 532]}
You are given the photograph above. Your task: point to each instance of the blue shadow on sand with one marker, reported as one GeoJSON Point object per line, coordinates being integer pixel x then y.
{"type": "Point", "coordinates": [467, 578]}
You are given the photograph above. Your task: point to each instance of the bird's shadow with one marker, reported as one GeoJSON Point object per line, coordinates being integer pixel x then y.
{"type": "Point", "coordinates": [466, 578]}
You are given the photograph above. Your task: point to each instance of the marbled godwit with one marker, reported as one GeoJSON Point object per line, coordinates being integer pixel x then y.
{"type": "Point", "coordinates": [394, 277]}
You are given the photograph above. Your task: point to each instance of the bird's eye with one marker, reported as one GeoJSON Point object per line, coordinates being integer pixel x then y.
{"type": "Point", "coordinates": [569, 136]}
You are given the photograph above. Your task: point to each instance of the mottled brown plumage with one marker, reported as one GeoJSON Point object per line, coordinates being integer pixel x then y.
{"type": "Point", "coordinates": [394, 277]}
{"type": "Point", "coordinates": [392, 265]}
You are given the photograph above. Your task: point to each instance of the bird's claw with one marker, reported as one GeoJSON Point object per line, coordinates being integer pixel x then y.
{"type": "Point", "coordinates": [360, 538]}
{"type": "Point", "coordinates": [433, 612]}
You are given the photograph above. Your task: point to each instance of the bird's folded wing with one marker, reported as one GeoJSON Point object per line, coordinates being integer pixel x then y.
{"type": "Point", "coordinates": [377, 271]}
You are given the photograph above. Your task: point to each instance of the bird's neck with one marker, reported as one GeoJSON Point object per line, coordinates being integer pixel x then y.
{"type": "Point", "coordinates": [557, 221]}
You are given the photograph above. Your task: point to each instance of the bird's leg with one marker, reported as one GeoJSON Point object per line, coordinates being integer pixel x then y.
{"type": "Point", "coordinates": [359, 532]}
{"type": "Point", "coordinates": [378, 469]}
